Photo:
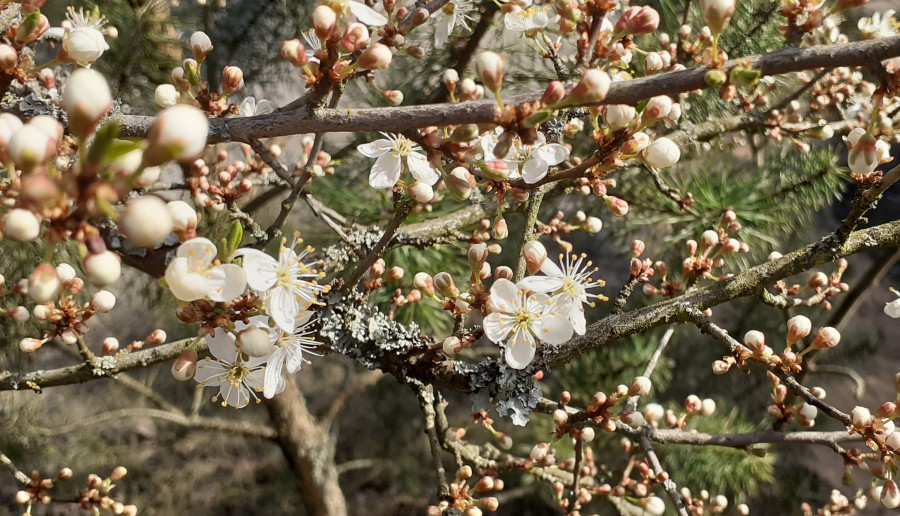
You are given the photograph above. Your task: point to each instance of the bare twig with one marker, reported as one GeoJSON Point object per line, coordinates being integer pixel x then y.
{"type": "Point", "coordinates": [669, 484]}
{"type": "Point", "coordinates": [425, 394]}
{"type": "Point", "coordinates": [651, 364]}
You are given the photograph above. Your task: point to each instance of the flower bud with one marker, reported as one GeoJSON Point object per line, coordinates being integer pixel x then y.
{"type": "Point", "coordinates": [618, 207]}
{"type": "Point", "coordinates": [9, 58]}
{"type": "Point", "coordinates": [554, 93]}
{"type": "Point", "coordinates": [798, 327]}
{"type": "Point", "coordinates": [185, 365]}
{"type": "Point", "coordinates": [640, 386]}
{"type": "Point", "coordinates": [592, 225]}
{"type": "Point", "coordinates": [539, 451]}
{"type": "Point", "coordinates": [890, 495]}
{"type": "Point", "coordinates": [421, 192]}
{"type": "Point", "coordinates": [255, 342]}
{"type": "Point", "coordinates": [451, 345]}
{"type": "Point", "coordinates": [393, 97]}
{"type": "Point", "coordinates": [424, 283]}
{"type": "Point", "coordinates": [184, 219]}
{"type": "Point", "coordinates": [200, 45]}
{"type": "Point", "coordinates": [21, 225]}
{"type": "Point", "coordinates": [178, 133]}
{"type": "Point", "coordinates": [323, 21]}
{"type": "Point", "coordinates": [146, 221]}
{"type": "Point", "coordinates": [692, 404]}
{"type": "Point", "coordinates": [657, 108]}
{"type": "Point", "coordinates": [30, 345]}
{"type": "Point", "coordinates": [165, 96]}
{"type": "Point", "coordinates": [110, 346]}
{"type": "Point", "coordinates": [503, 272]}
{"type": "Point", "coordinates": [376, 57]}
{"type": "Point", "coordinates": [86, 99]}
{"type": "Point", "coordinates": [81, 45]}
{"type": "Point", "coordinates": [444, 284]}
{"type": "Point", "coordinates": [450, 79]}
{"type": "Point", "coordinates": [633, 419]}
{"type": "Point", "coordinates": [500, 230]}
{"type": "Point", "coordinates": [43, 285]}
{"type": "Point", "coordinates": [653, 63]}
{"type": "Point", "coordinates": [755, 341]}
{"type": "Point", "coordinates": [102, 268]}
{"type": "Point", "coordinates": [477, 256]}
{"type": "Point", "coordinates": [294, 52]}
{"type": "Point", "coordinates": [232, 80]}
{"type": "Point", "coordinates": [592, 88]}
{"type": "Point", "coordinates": [489, 67]}
{"type": "Point", "coordinates": [827, 337]}
{"type": "Point", "coordinates": [718, 13]}
{"type": "Point", "coordinates": [618, 116]}
{"type": "Point", "coordinates": [860, 417]}
{"type": "Point", "coordinates": [707, 407]}
{"type": "Point", "coordinates": [103, 301]}
{"type": "Point", "coordinates": [460, 183]}
{"type": "Point", "coordinates": [662, 153]}
{"type": "Point", "coordinates": [30, 147]}
{"type": "Point", "coordinates": [638, 20]}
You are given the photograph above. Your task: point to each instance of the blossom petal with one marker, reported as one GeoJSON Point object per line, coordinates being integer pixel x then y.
{"type": "Point", "coordinates": [201, 252]}
{"type": "Point", "coordinates": [520, 349]}
{"type": "Point", "coordinates": [421, 169]}
{"type": "Point", "coordinates": [261, 268]}
{"type": "Point", "coordinates": [534, 170]}
{"type": "Point", "coordinates": [366, 14]}
{"type": "Point", "coordinates": [227, 283]}
{"type": "Point", "coordinates": [221, 345]}
{"type": "Point", "coordinates": [505, 295]}
{"type": "Point", "coordinates": [236, 396]}
{"type": "Point", "coordinates": [264, 107]}
{"type": "Point", "coordinates": [892, 309]}
{"type": "Point", "coordinates": [185, 285]}
{"type": "Point", "coordinates": [552, 153]}
{"type": "Point", "coordinates": [551, 269]}
{"type": "Point", "coordinates": [497, 327]}
{"type": "Point", "coordinates": [488, 143]}
{"type": "Point", "coordinates": [273, 376]}
{"type": "Point", "coordinates": [541, 283]}
{"type": "Point", "coordinates": [553, 327]}
{"type": "Point", "coordinates": [282, 306]}
{"type": "Point", "coordinates": [576, 317]}
{"type": "Point", "coordinates": [210, 373]}
{"type": "Point", "coordinates": [442, 30]}
{"type": "Point", "coordinates": [374, 149]}
{"type": "Point", "coordinates": [386, 171]}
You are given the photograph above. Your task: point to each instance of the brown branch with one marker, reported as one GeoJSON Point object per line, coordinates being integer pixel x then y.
{"type": "Point", "coordinates": [426, 397]}
{"type": "Point", "coordinates": [398, 119]}
{"type": "Point", "coordinates": [669, 484]}
{"type": "Point", "coordinates": [402, 209]}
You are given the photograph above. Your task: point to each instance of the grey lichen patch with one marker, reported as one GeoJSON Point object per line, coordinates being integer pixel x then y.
{"type": "Point", "coordinates": [338, 257]}
{"type": "Point", "coordinates": [511, 391]}
{"type": "Point", "coordinates": [104, 366]}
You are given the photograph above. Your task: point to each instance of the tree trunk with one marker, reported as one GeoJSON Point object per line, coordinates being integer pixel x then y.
{"type": "Point", "coordinates": [309, 450]}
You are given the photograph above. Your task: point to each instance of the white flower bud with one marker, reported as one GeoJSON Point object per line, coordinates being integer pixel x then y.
{"type": "Point", "coordinates": [43, 285]}
{"type": "Point", "coordinates": [451, 345]}
{"type": "Point", "coordinates": [421, 192]}
{"type": "Point", "coordinates": [861, 417]}
{"type": "Point", "coordinates": [535, 253]}
{"type": "Point", "coordinates": [890, 495]}
{"type": "Point", "coordinates": [489, 66]}
{"type": "Point", "coordinates": [587, 434]}
{"type": "Point", "coordinates": [707, 407]}
{"type": "Point", "coordinates": [20, 314]}
{"type": "Point", "coordinates": [103, 301]}
{"type": "Point", "coordinates": [178, 133]}
{"type": "Point", "coordinates": [618, 116]}
{"type": "Point", "coordinates": [657, 108]}
{"type": "Point", "coordinates": [146, 221]}
{"type": "Point", "coordinates": [82, 45]}
{"type": "Point", "coordinates": [255, 342]}
{"type": "Point", "coordinates": [662, 153]}
{"type": "Point", "coordinates": [200, 45]}
{"type": "Point", "coordinates": [110, 345]}
{"type": "Point", "coordinates": [102, 268]}
{"type": "Point", "coordinates": [809, 412]}
{"type": "Point", "coordinates": [653, 63]}
{"type": "Point", "coordinates": [640, 386]}
{"type": "Point", "coordinates": [798, 327]}
{"type": "Point", "coordinates": [65, 272]}
{"type": "Point", "coordinates": [185, 365]}
{"type": "Point", "coordinates": [592, 225]}
{"type": "Point", "coordinates": [539, 451]}
{"type": "Point", "coordinates": [21, 225]}
{"type": "Point", "coordinates": [655, 506]}
{"type": "Point", "coordinates": [893, 441]}
{"type": "Point", "coordinates": [560, 417]}
{"type": "Point", "coordinates": [30, 345]}
{"type": "Point", "coordinates": [165, 95]}
{"type": "Point", "coordinates": [86, 99]}
{"type": "Point", "coordinates": [31, 146]}
{"type": "Point", "coordinates": [184, 217]}
{"type": "Point", "coordinates": [654, 412]}
{"type": "Point", "coordinates": [755, 340]}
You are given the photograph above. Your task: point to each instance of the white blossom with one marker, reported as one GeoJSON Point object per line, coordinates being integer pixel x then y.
{"type": "Point", "coordinates": [388, 166]}
{"type": "Point", "coordinates": [366, 14]}
{"type": "Point", "coordinates": [83, 40]}
{"type": "Point", "coordinates": [569, 282]}
{"type": "Point", "coordinates": [880, 25]}
{"type": "Point", "coordinates": [250, 107]}
{"type": "Point", "coordinates": [290, 285]}
{"type": "Point", "coordinates": [533, 18]}
{"type": "Point", "coordinates": [290, 348]}
{"type": "Point", "coordinates": [237, 378]}
{"type": "Point", "coordinates": [530, 162]}
{"type": "Point", "coordinates": [452, 16]}
{"type": "Point", "coordinates": [192, 275]}
{"type": "Point", "coordinates": [520, 320]}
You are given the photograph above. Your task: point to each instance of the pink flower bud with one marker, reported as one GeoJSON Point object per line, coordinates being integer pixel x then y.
{"type": "Point", "coordinates": [9, 58]}
{"type": "Point", "coordinates": [30, 345]}
{"type": "Point", "coordinates": [460, 183]}
{"type": "Point", "coordinates": [827, 337]}
{"type": "Point", "coordinates": [618, 207]}
{"type": "Point", "coordinates": [393, 97]}
{"type": "Point", "coordinates": [798, 327]}
{"type": "Point", "coordinates": [356, 36]}
{"type": "Point", "coordinates": [232, 80]}
{"type": "Point", "coordinates": [592, 88]}
{"type": "Point", "coordinates": [638, 20]}
{"type": "Point", "coordinates": [425, 283]}
{"type": "Point", "coordinates": [294, 52]}
{"type": "Point", "coordinates": [110, 346]}
{"type": "Point", "coordinates": [376, 57]}
{"type": "Point", "coordinates": [185, 365]}
{"type": "Point", "coordinates": [323, 21]}
{"type": "Point", "coordinates": [554, 93]}
{"type": "Point", "coordinates": [200, 45]}
{"type": "Point", "coordinates": [178, 133]}
{"type": "Point", "coordinates": [640, 386]}
{"type": "Point", "coordinates": [490, 66]}
{"type": "Point", "coordinates": [503, 272]}
{"type": "Point", "coordinates": [693, 404]}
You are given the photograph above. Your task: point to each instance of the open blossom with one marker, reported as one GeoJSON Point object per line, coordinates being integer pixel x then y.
{"type": "Point", "coordinates": [530, 162]}
{"type": "Point", "coordinates": [520, 320]}
{"type": "Point", "coordinates": [452, 16]}
{"type": "Point", "coordinates": [237, 378]}
{"type": "Point", "coordinates": [533, 18]}
{"type": "Point", "coordinates": [290, 285]}
{"type": "Point", "coordinates": [289, 351]}
{"type": "Point", "coordinates": [569, 283]}
{"type": "Point", "coordinates": [388, 166]}
{"type": "Point", "coordinates": [192, 274]}
{"type": "Point", "coordinates": [251, 107]}
{"type": "Point", "coordinates": [83, 41]}
{"type": "Point", "coordinates": [365, 14]}
{"type": "Point", "coordinates": [880, 25]}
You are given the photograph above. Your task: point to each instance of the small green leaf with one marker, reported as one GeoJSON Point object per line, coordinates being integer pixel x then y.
{"type": "Point", "coordinates": [105, 136]}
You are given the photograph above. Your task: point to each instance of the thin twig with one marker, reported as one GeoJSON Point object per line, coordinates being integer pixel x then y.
{"type": "Point", "coordinates": [531, 216]}
{"type": "Point", "coordinates": [425, 394]}
{"type": "Point", "coordinates": [651, 365]}
{"type": "Point", "coordinates": [669, 484]}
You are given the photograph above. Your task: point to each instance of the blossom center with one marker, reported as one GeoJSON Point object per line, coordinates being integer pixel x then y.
{"type": "Point", "coordinates": [402, 147]}
{"type": "Point", "coordinates": [524, 318]}
{"type": "Point", "coordinates": [236, 374]}
{"type": "Point", "coordinates": [571, 287]}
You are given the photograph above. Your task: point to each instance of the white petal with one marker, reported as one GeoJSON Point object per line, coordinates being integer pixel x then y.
{"type": "Point", "coordinates": [237, 397]}
{"type": "Point", "coordinates": [273, 374]}
{"type": "Point", "coordinates": [442, 30]}
{"type": "Point", "coordinates": [260, 268]}
{"type": "Point", "coordinates": [552, 153]}
{"type": "Point", "coordinates": [541, 283]}
{"type": "Point", "coordinates": [421, 169]}
{"type": "Point", "coordinates": [520, 349]}
{"type": "Point", "coordinates": [892, 309]}
{"type": "Point", "coordinates": [534, 170]}
{"type": "Point", "coordinates": [505, 295]}
{"type": "Point", "coordinates": [283, 308]}
{"type": "Point", "coordinates": [185, 285]}
{"type": "Point", "coordinates": [488, 142]}
{"type": "Point", "coordinates": [514, 22]}
{"type": "Point", "coordinates": [228, 282]}
{"type": "Point", "coordinates": [551, 269]}
{"type": "Point", "coordinates": [553, 327]}
{"type": "Point", "coordinates": [374, 149]}
{"type": "Point", "coordinates": [256, 379]}
{"type": "Point", "coordinates": [576, 317]}
{"type": "Point", "coordinates": [210, 373]}
{"type": "Point", "coordinates": [264, 107]}
{"type": "Point", "coordinates": [201, 252]}
{"type": "Point", "coordinates": [497, 327]}
{"type": "Point", "coordinates": [221, 345]}
{"type": "Point", "coordinates": [248, 107]}
{"type": "Point", "coordinates": [385, 172]}
{"type": "Point", "coordinates": [366, 14]}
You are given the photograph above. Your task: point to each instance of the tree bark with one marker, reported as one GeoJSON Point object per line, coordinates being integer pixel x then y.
{"type": "Point", "coordinates": [309, 450]}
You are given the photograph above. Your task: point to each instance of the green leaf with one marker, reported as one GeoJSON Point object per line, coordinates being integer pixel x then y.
{"type": "Point", "coordinates": [230, 244]}
{"type": "Point", "coordinates": [106, 134]}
